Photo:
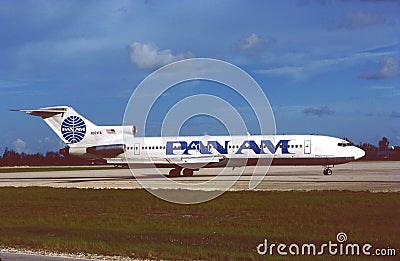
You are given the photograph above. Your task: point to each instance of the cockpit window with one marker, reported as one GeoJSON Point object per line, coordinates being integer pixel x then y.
{"type": "Point", "coordinates": [345, 144]}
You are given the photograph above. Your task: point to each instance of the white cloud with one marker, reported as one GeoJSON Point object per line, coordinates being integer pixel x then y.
{"type": "Point", "coordinates": [306, 64]}
{"type": "Point", "coordinates": [149, 56]}
{"type": "Point", "coordinates": [381, 87]}
{"type": "Point", "coordinates": [13, 83]}
{"type": "Point", "coordinates": [294, 71]}
{"type": "Point", "coordinates": [360, 19]}
{"type": "Point", "coordinates": [388, 67]}
{"type": "Point", "coordinates": [250, 42]}
{"type": "Point", "coordinates": [253, 44]}
{"type": "Point", "coordinates": [318, 111]}
{"type": "Point", "coordinates": [395, 114]}
{"type": "Point", "coordinates": [49, 144]}
{"type": "Point", "coordinates": [19, 145]}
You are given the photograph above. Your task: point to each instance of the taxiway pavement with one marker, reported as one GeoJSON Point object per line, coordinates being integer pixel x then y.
{"type": "Point", "coordinates": [355, 176]}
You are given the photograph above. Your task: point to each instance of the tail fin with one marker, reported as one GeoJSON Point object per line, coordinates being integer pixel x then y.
{"type": "Point", "coordinates": [65, 121]}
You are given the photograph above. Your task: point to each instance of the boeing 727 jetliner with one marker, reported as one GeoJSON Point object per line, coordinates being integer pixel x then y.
{"type": "Point", "coordinates": [184, 155]}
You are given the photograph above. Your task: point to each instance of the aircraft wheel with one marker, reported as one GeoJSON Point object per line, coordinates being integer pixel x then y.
{"type": "Point", "coordinates": [187, 172]}
{"type": "Point", "coordinates": [175, 172]}
{"type": "Point", "coordinates": [328, 171]}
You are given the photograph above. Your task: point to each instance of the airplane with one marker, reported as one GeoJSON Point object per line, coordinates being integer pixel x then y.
{"type": "Point", "coordinates": [119, 145]}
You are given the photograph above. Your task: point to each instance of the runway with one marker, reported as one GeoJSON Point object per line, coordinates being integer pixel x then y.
{"type": "Point", "coordinates": [355, 176]}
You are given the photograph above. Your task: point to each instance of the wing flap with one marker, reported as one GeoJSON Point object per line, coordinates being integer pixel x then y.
{"type": "Point", "coordinates": [186, 160]}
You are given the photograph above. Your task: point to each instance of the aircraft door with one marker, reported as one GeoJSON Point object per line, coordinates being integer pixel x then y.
{"type": "Point", "coordinates": [136, 149]}
{"type": "Point", "coordinates": [307, 147]}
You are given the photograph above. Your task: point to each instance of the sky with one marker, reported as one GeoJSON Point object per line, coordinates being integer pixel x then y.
{"type": "Point", "coordinates": [327, 67]}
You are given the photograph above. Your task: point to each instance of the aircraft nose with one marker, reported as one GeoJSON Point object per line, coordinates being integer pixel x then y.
{"type": "Point", "coordinates": [358, 153]}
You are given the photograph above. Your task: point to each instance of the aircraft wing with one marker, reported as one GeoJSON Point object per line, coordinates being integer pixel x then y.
{"type": "Point", "coordinates": [195, 159]}
{"type": "Point", "coordinates": [169, 160]}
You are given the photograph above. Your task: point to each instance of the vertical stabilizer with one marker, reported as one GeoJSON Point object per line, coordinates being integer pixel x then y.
{"type": "Point", "coordinates": [70, 126]}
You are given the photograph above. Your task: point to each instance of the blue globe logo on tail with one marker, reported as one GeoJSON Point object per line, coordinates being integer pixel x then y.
{"type": "Point", "coordinates": [73, 129]}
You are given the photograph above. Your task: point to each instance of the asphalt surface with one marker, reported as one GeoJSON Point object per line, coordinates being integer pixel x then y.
{"type": "Point", "coordinates": [355, 176]}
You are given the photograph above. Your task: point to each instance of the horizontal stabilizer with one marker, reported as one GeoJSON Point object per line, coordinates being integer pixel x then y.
{"type": "Point", "coordinates": [44, 113]}
{"type": "Point", "coordinates": [66, 123]}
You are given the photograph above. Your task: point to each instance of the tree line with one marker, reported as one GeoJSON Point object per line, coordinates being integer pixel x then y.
{"type": "Point", "coordinates": [381, 152]}
{"type": "Point", "coordinates": [13, 158]}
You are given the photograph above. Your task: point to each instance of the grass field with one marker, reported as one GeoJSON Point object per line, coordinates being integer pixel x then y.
{"type": "Point", "coordinates": [134, 223]}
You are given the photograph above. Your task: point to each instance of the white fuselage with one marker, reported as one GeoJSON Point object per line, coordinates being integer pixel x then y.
{"type": "Point", "coordinates": [120, 145]}
{"type": "Point", "coordinates": [218, 150]}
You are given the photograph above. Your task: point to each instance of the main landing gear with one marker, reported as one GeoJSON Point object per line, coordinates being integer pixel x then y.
{"type": "Point", "coordinates": [176, 172]}
{"type": "Point", "coordinates": [328, 170]}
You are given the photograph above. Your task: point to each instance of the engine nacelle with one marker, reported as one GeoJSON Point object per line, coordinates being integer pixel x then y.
{"type": "Point", "coordinates": [74, 151]}
{"type": "Point", "coordinates": [102, 151]}
{"type": "Point", "coordinates": [131, 130]}
{"type": "Point", "coordinates": [106, 151]}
